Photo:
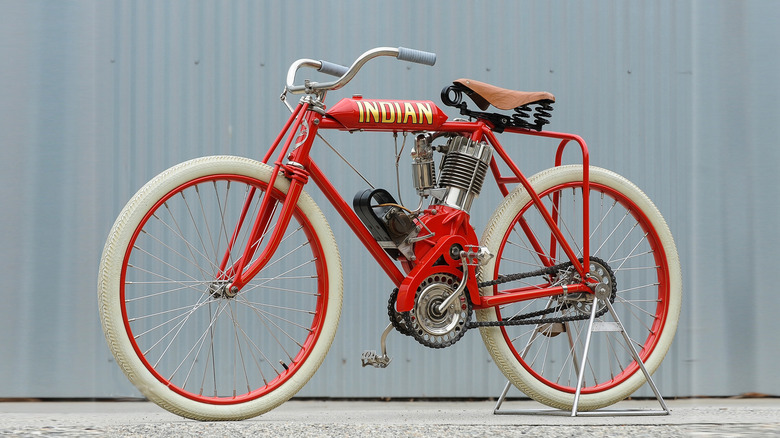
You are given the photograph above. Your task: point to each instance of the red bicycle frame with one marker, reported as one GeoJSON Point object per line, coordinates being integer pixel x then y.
{"type": "Point", "coordinates": [295, 164]}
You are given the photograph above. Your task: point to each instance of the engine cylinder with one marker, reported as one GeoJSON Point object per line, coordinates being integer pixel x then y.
{"type": "Point", "coordinates": [463, 171]}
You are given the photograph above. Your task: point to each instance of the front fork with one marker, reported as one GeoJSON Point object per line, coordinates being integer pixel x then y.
{"type": "Point", "coordinates": [302, 128]}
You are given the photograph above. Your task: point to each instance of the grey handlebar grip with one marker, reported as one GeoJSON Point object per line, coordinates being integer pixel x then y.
{"type": "Point", "coordinates": [333, 69]}
{"type": "Point", "coordinates": [418, 56]}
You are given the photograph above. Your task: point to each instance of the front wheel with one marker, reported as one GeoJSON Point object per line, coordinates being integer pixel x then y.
{"type": "Point", "coordinates": [181, 337]}
{"type": "Point", "coordinates": [632, 248]}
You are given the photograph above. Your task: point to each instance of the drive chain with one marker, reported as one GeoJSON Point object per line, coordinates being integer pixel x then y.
{"type": "Point", "coordinates": [531, 317]}
{"type": "Point", "coordinates": [401, 320]}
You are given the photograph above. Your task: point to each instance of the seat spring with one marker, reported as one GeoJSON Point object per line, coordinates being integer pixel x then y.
{"type": "Point", "coordinates": [522, 112]}
{"type": "Point", "coordinates": [542, 113]}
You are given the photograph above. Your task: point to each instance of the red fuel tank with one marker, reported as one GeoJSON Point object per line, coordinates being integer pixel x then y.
{"type": "Point", "coordinates": [387, 115]}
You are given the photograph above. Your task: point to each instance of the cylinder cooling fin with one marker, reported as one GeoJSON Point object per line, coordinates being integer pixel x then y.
{"type": "Point", "coordinates": [462, 172]}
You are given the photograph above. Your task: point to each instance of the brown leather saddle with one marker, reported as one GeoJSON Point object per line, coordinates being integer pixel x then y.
{"type": "Point", "coordinates": [485, 95]}
{"type": "Point", "coordinates": [531, 109]}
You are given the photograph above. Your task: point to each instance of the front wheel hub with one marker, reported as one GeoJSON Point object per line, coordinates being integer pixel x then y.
{"type": "Point", "coordinates": [222, 289]}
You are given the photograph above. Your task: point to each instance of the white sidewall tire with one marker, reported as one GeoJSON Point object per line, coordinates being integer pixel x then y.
{"type": "Point", "coordinates": [492, 336]}
{"type": "Point", "coordinates": [109, 287]}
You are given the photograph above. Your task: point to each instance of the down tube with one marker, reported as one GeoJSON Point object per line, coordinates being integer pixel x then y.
{"type": "Point", "coordinates": [379, 254]}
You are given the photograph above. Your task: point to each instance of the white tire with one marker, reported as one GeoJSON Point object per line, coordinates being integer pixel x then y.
{"type": "Point", "coordinates": [177, 334]}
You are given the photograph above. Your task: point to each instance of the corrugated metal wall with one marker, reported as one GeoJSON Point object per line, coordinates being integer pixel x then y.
{"type": "Point", "coordinates": [97, 97]}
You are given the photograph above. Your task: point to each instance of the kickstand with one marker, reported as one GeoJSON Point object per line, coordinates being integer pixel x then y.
{"type": "Point", "coordinates": [371, 358]}
{"type": "Point", "coordinates": [615, 326]}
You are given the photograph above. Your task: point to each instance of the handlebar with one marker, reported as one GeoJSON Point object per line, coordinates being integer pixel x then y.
{"type": "Point", "coordinates": [345, 74]}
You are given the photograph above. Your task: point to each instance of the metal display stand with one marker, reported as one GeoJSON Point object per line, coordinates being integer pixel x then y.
{"type": "Point", "coordinates": [594, 326]}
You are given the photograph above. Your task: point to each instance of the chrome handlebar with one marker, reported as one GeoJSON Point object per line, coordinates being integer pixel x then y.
{"type": "Point", "coordinates": [345, 74]}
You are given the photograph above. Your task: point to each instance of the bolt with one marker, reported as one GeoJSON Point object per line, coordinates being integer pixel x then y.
{"type": "Point", "coordinates": [455, 251]}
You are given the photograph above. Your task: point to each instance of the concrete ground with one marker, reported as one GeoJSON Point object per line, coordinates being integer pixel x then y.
{"type": "Point", "coordinates": [300, 418]}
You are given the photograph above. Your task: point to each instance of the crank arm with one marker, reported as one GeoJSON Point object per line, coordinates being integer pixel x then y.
{"type": "Point", "coordinates": [461, 287]}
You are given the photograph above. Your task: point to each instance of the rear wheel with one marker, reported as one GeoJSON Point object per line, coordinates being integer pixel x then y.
{"type": "Point", "coordinates": [632, 249]}
{"type": "Point", "coordinates": [180, 335]}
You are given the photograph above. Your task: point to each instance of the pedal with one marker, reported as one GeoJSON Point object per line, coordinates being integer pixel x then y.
{"type": "Point", "coordinates": [375, 360]}
{"type": "Point", "coordinates": [370, 357]}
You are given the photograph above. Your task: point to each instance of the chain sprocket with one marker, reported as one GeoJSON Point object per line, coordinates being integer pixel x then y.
{"type": "Point", "coordinates": [396, 318]}
{"type": "Point", "coordinates": [430, 327]}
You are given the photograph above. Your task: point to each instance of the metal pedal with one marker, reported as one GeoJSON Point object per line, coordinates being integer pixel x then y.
{"type": "Point", "coordinates": [371, 358]}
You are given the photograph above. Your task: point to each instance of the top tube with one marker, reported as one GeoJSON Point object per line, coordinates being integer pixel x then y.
{"type": "Point", "coordinates": [347, 73]}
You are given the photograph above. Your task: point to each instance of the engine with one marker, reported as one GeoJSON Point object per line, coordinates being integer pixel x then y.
{"type": "Point", "coordinates": [462, 171]}
{"type": "Point", "coordinates": [433, 300]}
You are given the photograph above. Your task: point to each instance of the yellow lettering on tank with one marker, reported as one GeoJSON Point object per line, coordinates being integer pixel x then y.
{"type": "Point", "coordinates": [425, 110]}
{"type": "Point", "coordinates": [397, 112]}
{"type": "Point", "coordinates": [388, 114]}
{"type": "Point", "coordinates": [360, 108]}
{"type": "Point", "coordinates": [372, 110]}
{"type": "Point", "coordinates": [409, 113]}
